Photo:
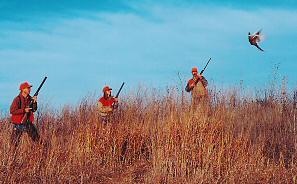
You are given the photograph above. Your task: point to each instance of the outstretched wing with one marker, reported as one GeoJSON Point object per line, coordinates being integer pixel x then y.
{"type": "Point", "coordinates": [257, 36]}
{"type": "Point", "coordinates": [258, 33]}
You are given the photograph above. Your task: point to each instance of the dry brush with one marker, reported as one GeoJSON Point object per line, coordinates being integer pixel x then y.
{"type": "Point", "coordinates": [159, 139]}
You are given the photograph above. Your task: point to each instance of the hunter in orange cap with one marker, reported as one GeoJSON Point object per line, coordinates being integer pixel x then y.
{"type": "Point", "coordinates": [106, 104]}
{"type": "Point", "coordinates": [106, 88]}
{"type": "Point", "coordinates": [195, 69]}
{"type": "Point", "coordinates": [197, 86]}
{"type": "Point", "coordinates": [22, 114]}
{"type": "Point", "coordinates": [25, 85]}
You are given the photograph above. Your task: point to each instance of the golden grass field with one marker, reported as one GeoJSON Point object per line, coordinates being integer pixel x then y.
{"type": "Point", "coordinates": [157, 138]}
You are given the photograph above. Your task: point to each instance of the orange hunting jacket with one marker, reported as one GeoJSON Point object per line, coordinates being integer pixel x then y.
{"type": "Point", "coordinates": [105, 105]}
{"type": "Point", "coordinates": [17, 109]}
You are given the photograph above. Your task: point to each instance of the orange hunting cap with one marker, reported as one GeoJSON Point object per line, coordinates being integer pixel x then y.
{"type": "Point", "coordinates": [194, 69]}
{"type": "Point", "coordinates": [106, 88]}
{"type": "Point", "coordinates": [25, 85]}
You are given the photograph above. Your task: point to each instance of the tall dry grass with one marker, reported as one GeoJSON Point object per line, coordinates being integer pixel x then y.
{"type": "Point", "coordinates": [157, 138]}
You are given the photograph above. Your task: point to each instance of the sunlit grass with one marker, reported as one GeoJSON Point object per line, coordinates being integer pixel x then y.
{"type": "Point", "coordinates": [157, 139]}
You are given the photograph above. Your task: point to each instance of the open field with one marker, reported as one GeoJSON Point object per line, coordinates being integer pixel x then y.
{"type": "Point", "coordinates": [160, 139]}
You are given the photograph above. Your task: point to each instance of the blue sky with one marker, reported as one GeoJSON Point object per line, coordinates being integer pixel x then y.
{"type": "Point", "coordinates": [83, 46]}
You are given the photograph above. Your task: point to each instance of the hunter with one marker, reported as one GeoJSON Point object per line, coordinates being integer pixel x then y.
{"type": "Point", "coordinates": [107, 104]}
{"type": "Point", "coordinates": [197, 86]}
{"type": "Point", "coordinates": [22, 114]}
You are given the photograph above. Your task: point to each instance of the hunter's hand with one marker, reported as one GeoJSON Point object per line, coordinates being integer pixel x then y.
{"type": "Point", "coordinates": [115, 104]}
{"type": "Point", "coordinates": [34, 98]}
{"type": "Point", "coordinates": [192, 83]}
{"type": "Point", "coordinates": [28, 109]}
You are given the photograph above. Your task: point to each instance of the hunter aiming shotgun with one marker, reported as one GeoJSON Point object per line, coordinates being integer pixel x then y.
{"type": "Point", "coordinates": [22, 114]}
{"type": "Point", "coordinates": [31, 102]}
{"type": "Point", "coordinates": [196, 80]}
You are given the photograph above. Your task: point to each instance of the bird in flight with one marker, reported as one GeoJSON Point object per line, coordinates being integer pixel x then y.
{"type": "Point", "coordinates": [255, 38]}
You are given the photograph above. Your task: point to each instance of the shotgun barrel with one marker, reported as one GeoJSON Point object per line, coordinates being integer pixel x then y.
{"type": "Point", "coordinates": [118, 93]}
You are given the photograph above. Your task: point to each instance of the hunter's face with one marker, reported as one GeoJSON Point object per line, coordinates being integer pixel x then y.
{"type": "Point", "coordinates": [194, 73]}
{"type": "Point", "coordinates": [27, 90]}
{"type": "Point", "coordinates": [108, 93]}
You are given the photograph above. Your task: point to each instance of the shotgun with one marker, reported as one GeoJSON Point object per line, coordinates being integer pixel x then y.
{"type": "Point", "coordinates": [31, 105]}
{"type": "Point", "coordinates": [115, 104]}
{"type": "Point", "coordinates": [188, 89]}
{"type": "Point", "coordinates": [205, 66]}
{"type": "Point", "coordinates": [118, 93]}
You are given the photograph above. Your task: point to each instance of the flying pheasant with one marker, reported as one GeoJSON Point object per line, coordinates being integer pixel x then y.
{"type": "Point", "coordinates": [255, 38]}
